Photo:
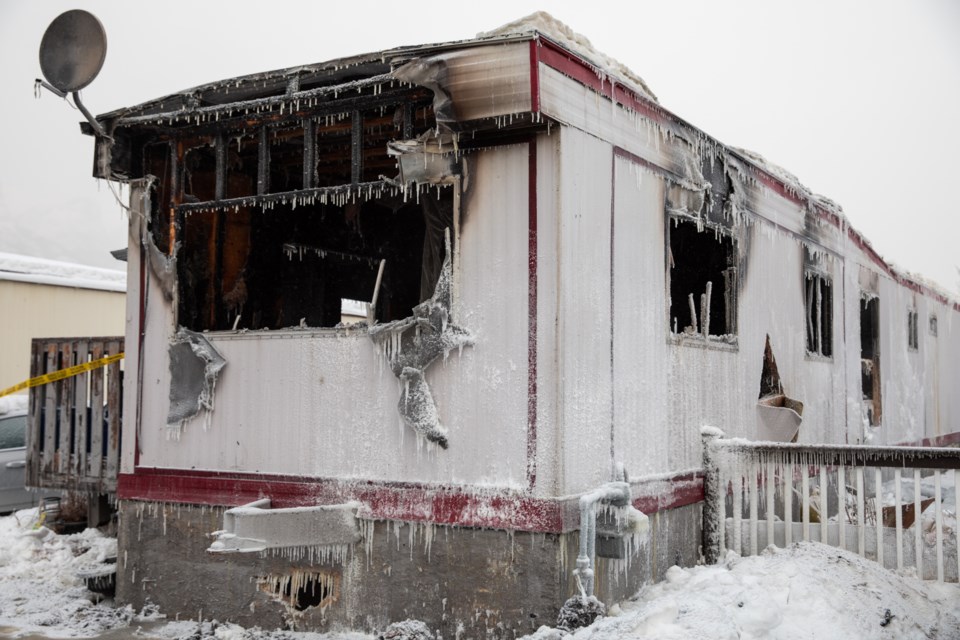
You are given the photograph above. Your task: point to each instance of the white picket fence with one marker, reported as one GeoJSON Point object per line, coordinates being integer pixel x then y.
{"type": "Point", "coordinates": [859, 498]}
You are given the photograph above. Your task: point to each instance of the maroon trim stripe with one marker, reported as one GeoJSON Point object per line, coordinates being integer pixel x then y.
{"type": "Point", "coordinates": [412, 502]}
{"type": "Point", "coordinates": [532, 315]}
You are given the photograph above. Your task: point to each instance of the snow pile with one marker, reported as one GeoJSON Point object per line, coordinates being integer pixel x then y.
{"type": "Point", "coordinates": [806, 591]}
{"type": "Point", "coordinates": [39, 590]}
{"type": "Point", "coordinates": [62, 274]}
{"type": "Point", "coordinates": [544, 23]}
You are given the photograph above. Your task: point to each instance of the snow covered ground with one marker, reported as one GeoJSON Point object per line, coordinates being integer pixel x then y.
{"type": "Point", "coordinates": [806, 591]}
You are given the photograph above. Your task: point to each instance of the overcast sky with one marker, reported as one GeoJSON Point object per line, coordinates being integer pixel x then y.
{"type": "Point", "coordinates": [860, 100]}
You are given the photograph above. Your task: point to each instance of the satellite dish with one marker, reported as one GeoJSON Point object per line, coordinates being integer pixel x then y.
{"type": "Point", "coordinates": [72, 51]}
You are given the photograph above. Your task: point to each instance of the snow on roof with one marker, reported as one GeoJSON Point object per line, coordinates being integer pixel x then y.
{"type": "Point", "coordinates": [14, 404]}
{"type": "Point", "coordinates": [19, 268]}
{"type": "Point", "coordinates": [545, 24]}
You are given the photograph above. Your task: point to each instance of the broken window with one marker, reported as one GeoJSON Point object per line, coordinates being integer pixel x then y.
{"type": "Point", "coordinates": [933, 325]}
{"type": "Point", "coordinates": [818, 304]}
{"type": "Point", "coordinates": [288, 223]}
{"type": "Point", "coordinates": [703, 279]}
{"type": "Point", "coordinates": [913, 337]}
{"type": "Point", "coordinates": [870, 356]}
{"type": "Point", "coordinates": [300, 265]}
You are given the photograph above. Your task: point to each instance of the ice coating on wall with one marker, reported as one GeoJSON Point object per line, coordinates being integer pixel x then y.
{"type": "Point", "coordinates": [607, 67]}
{"type": "Point", "coordinates": [411, 345]}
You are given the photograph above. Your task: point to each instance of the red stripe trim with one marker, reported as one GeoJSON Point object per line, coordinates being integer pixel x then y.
{"type": "Point", "coordinates": [653, 495]}
{"type": "Point", "coordinates": [532, 316]}
{"type": "Point", "coordinates": [411, 502]}
{"type": "Point", "coordinates": [569, 64]}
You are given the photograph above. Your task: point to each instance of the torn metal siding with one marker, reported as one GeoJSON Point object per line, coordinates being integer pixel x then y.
{"type": "Point", "coordinates": [195, 366]}
{"type": "Point", "coordinates": [484, 82]}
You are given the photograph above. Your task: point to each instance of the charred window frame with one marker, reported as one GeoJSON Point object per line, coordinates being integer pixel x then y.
{"type": "Point", "coordinates": [913, 330]}
{"type": "Point", "coordinates": [818, 307]}
{"type": "Point", "coordinates": [870, 357]}
{"type": "Point", "coordinates": [702, 274]}
{"type": "Point", "coordinates": [287, 223]}
{"type": "Point", "coordinates": [702, 258]}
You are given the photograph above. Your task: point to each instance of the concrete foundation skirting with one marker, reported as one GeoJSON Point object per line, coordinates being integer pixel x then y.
{"type": "Point", "coordinates": [462, 582]}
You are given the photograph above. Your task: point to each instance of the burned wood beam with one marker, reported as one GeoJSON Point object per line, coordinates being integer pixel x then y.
{"type": "Point", "coordinates": [356, 148]}
{"type": "Point", "coordinates": [174, 175]}
{"type": "Point", "coordinates": [408, 120]}
{"type": "Point", "coordinates": [321, 194]}
{"type": "Point", "coordinates": [263, 162]}
{"type": "Point", "coordinates": [309, 153]}
{"type": "Point", "coordinates": [220, 148]}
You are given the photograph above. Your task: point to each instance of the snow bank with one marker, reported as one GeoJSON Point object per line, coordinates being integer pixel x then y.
{"type": "Point", "coordinates": [39, 590]}
{"type": "Point", "coordinates": [544, 23]}
{"type": "Point", "coordinates": [61, 274]}
{"type": "Point", "coordinates": [806, 591]}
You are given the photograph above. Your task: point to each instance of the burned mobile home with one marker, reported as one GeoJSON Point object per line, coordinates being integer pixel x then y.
{"type": "Point", "coordinates": [391, 316]}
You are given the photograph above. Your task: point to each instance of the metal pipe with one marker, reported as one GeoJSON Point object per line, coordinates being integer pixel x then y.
{"type": "Point", "coordinates": [49, 87]}
{"type": "Point", "coordinates": [86, 114]}
{"type": "Point", "coordinates": [612, 492]}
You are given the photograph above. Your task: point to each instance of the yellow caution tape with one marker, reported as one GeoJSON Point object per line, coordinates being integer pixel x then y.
{"type": "Point", "coordinates": [69, 372]}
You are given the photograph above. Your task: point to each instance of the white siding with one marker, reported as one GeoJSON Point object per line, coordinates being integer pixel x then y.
{"type": "Point", "coordinates": [583, 327]}
{"type": "Point", "coordinates": [320, 403]}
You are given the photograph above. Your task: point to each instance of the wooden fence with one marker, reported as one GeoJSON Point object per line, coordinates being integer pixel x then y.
{"type": "Point", "coordinates": [73, 433]}
{"type": "Point", "coordinates": [895, 505]}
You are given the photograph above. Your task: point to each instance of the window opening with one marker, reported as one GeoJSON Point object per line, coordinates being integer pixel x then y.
{"type": "Point", "coordinates": [242, 164]}
{"type": "Point", "coordinates": [703, 280]}
{"type": "Point", "coordinates": [870, 356]}
{"type": "Point", "coordinates": [818, 303]}
{"type": "Point", "coordinates": [200, 173]}
{"type": "Point", "coordinates": [913, 332]}
{"type": "Point", "coordinates": [293, 265]}
{"type": "Point", "coordinates": [933, 325]}
{"type": "Point", "coordinates": [286, 159]}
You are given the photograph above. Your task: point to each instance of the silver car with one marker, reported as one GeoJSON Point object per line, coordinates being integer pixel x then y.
{"type": "Point", "coordinates": [13, 461]}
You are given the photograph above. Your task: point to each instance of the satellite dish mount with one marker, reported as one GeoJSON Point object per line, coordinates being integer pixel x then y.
{"type": "Point", "coordinates": [72, 52]}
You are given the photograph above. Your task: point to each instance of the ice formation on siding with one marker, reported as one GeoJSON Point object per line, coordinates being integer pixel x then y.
{"type": "Point", "coordinates": [412, 344]}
